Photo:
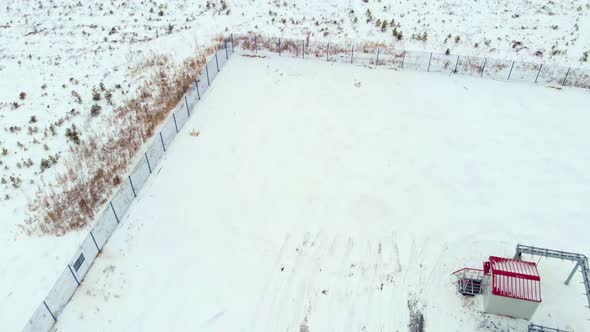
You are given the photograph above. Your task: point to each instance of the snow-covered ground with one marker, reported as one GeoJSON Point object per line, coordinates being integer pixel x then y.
{"type": "Point", "coordinates": [53, 53]}
{"type": "Point", "coordinates": [326, 197]}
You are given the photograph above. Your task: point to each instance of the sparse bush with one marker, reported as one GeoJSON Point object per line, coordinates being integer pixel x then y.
{"type": "Point", "coordinates": [369, 16]}
{"type": "Point", "coordinates": [384, 26]}
{"type": "Point", "coordinates": [397, 34]}
{"type": "Point", "coordinates": [108, 95]}
{"type": "Point", "coordinates": [95, 110]}
{"type": "Point", "coordinates": [78, 98]}
{"type": "Point", "coordinates": [448, 52]}
{"type": "Point", "coordinates": [73, 135]}
{"type": "Point", "coordinates": [161, 13]}
{"type": "Point", "coordinates": [33, 119]}
{"type": "Point", "coordinates": [16, 181]}
{"type": "Point", "coordinates": [22, 96]}
{"type": "Point", "coordinates": [457, 39]}
{"type": "Point", "coordinates": [95, 94]}
{"type": "Point", "coordinates": [584, 57]}
{"type": "Point", "coordinates": [44, 164]}
{"type": "Point", "coordinates": [47, 163]}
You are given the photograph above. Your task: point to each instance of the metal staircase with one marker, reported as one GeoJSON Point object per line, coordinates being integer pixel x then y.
{"type": "Point", "coordinates": [469, 281]}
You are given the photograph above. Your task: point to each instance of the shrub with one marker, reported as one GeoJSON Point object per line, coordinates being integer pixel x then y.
{"type": "Point", "coordinates": [95, 110]}
{"type": "Point", "coordinates": [95, 94]}
{"type": "Point", "coordinates": [33, 119]}
{"type": "Point", "coordinates": [22, 96]}
{"type": "Point", "coordinates": [73, 135]}
{"type": "Point", "coordinates": [77, 97]}
{"type": "Point", "coordinates": [108, 95]}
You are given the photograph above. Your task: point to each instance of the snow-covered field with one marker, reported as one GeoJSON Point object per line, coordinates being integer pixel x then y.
{"type": "Point", "coordinates": [325, 197]}
{"type": "Point", "coordinates": [54, 53]}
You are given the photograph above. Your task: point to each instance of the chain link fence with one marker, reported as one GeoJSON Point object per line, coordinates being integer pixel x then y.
{"type": "Point", "coordinates": [383, 55]}
{"type": "Point", "coordinates": [64, 288]}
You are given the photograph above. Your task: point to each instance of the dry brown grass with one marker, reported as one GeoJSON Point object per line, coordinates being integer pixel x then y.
{"type": "Point", "coordinates": [95, 168]}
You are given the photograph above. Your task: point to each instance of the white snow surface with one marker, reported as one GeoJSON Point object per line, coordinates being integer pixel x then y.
{"type": "Point", "coordinates": [51, 48]}
{"type": "Point", "coordinates": [325, 196]}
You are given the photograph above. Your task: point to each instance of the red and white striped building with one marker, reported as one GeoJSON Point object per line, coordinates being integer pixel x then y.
{"type": "Point", "coordinates": [511, 287]}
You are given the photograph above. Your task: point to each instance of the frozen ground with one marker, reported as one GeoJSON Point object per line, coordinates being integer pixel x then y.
{"type": "Point", "coordinates": [325, 197]}
{"type": "Point", "coordinates": [52, 51]}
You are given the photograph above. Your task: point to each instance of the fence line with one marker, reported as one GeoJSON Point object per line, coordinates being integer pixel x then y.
{"type": "Point", "coordinates": [47, 313]}
{"type": "Point", "coordinates": [383, 55]}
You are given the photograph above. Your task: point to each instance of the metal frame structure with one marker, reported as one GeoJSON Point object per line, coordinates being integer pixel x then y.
{"type": "Point", "coordinates": [539, 328]}
{"type": "Point", "coordinates": [580, 260]}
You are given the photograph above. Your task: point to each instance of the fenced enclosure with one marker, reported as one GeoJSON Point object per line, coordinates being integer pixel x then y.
{"type": "Point", "coordinates": [379, 54]}
{"type": "Point", "coordinates": [74, 272]}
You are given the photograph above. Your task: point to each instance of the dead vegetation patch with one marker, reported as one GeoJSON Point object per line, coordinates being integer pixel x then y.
{"type": "Point", "coordinates": [95, 166]}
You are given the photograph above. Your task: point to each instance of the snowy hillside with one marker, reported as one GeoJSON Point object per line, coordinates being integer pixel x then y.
{"type": "Point", "coordinates": [66, 66]}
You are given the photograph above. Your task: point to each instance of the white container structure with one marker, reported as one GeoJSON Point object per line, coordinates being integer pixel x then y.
{"type": "Point", "coordinates": [511, 287]}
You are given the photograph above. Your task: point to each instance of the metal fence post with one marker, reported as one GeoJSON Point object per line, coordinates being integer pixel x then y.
{"type": "Point", "coordinates": [351, 53]}
{"type": "Point", "coordinates": [162, 140]}
{"type": "Point", "coordinates": [403, 59]}
{"type": "Point", "coordinates": [147, 160]}
{"type": "Point", "coordinates": [51, 313]}
{"type": "Point", "coordinates": [377, 60]}
{"type": "Point", "coordinates": [538, 73]}
{"type": "Point", "coordinates": [429, 61]}
{"type": "Point", "coordinates": [232, 43]}
{"type": "Point", "coordinates": [328, 52]}
{"type": "Point", "coordinates": [198, 93]}
{"type": "Point", "coordinates": [216, 62]}
{"type": "Point", "coordinates": [255, 45]}
{"type": "Point", "coordinates": [132, 186]}
{"type": "Point", "coordinates": [175, 125]}
{"type": "Point", "coordinates": [226, 54]}
{"type": "Point", "coordinates": [188, 112]}
{"type": "Point", "coordinates": [569, 278]}
{"type": "Point", "coordinates": [510, 73]}
{"type": "Point", "coordinates": [279, 46]}
{"type": "Point", "coordinates": [566, 75]}
{"type": "Point", "coordinates": [94, 240]}
{"type": "Point", "coordinates": [73, 275]}
{"type": "Point", "coordinates": [456, 64]}
{"type": "Point", "coordinates": [114, 212]}
{"type": "Point", "coordinates": [485, 61]}
{"type": "Point", "coordinates": [207, 71]}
